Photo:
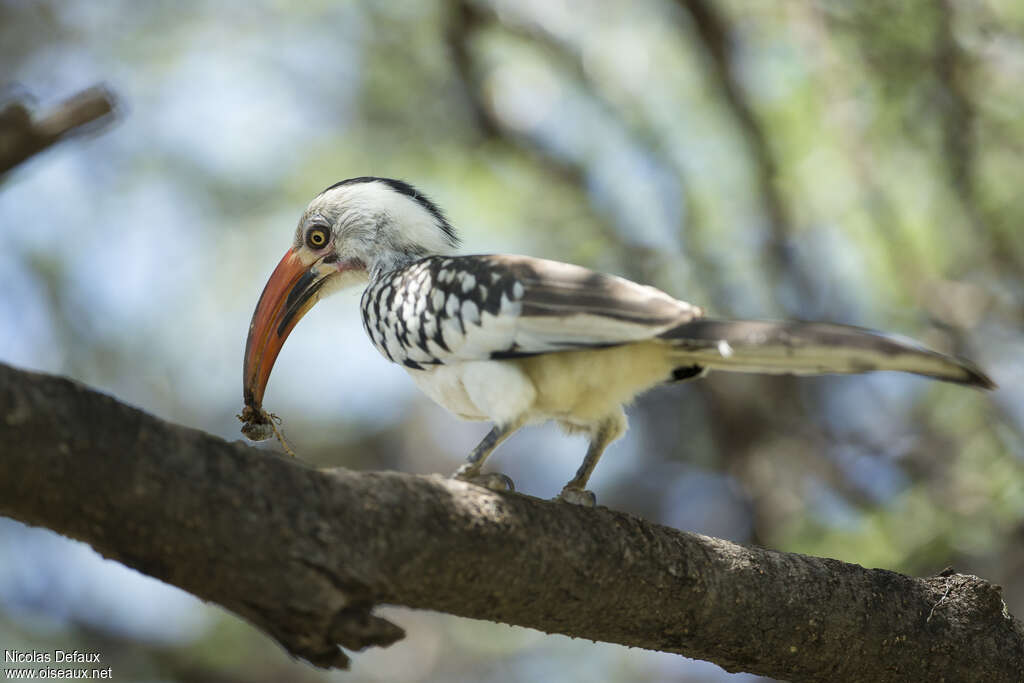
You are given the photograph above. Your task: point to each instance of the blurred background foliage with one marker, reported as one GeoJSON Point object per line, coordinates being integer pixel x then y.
{"type": "Point", "coordinates": [852, 162]}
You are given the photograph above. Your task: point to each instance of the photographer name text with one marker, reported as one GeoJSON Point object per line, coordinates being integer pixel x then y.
{"type": "Point", "coordinates": [51, 657]}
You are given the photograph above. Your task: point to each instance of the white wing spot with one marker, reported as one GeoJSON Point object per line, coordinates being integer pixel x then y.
{"type": "Point", "coordinates": [468, 282]}
{"type": "Point", "coordinates": [724, 349]}
{"type": "Point", "coordinates": [506, 305]}
{"type": "Point", "coordinates": [517, 290]}
{"type": "Point", "coordinates": [495, 276]}
{"type": "Point", "coordinates": [470, 312]}
{"type": "Point", "coordinates": [451, 333]}
{"type": "Point", "coordinates": [453, 305]}
{"type": "Point", "coordinates": [437, 299]}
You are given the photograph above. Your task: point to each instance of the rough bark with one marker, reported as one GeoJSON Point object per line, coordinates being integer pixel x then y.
{"type": "Point", "coordinates": [305, 554]}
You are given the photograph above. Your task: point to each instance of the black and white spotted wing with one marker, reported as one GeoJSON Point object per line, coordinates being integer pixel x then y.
{"type": "Point", "coordinates": [445, 309]}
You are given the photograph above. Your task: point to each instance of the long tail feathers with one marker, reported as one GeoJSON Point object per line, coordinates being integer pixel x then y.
{"type": "Point", "coordinates": [801, 348]}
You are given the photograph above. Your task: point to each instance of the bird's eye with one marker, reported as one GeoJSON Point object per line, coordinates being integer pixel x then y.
{"type": "Point", "coordinates": [317, 238]}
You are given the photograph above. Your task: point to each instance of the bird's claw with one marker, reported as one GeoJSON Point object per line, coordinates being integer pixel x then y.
{"type": "Point", "coordinates": [495, 481]}
{"type": "Point", "coordinates": [577, 497]}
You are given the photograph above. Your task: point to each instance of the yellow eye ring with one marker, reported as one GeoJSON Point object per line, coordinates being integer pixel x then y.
{"type": "Point", "coordinates": [317, 238]}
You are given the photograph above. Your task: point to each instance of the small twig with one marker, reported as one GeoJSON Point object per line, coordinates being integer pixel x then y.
{"type": "Point", "coordinates": [275, 422]}
{"type": "Point", "coordinates": [22, 135]}
{"type": "Point", "coordinates": [941, 600]}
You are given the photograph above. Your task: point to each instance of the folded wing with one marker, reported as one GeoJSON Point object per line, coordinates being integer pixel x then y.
{"type": "Point", "coordinates": [482, 307]}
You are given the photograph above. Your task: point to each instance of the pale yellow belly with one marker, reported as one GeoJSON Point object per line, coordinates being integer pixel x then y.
{"type": "Point", "coordinates": [579, 387]}
{"type": "Point", "coordinates": [588, 385]}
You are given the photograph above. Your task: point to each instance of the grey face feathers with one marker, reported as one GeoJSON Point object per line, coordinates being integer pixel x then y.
{"type": "Point", "coordinates": [379, 222]}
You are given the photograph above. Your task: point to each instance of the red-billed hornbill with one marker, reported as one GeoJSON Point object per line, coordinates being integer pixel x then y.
{"type": "Point", "coordinates": [517, 340]}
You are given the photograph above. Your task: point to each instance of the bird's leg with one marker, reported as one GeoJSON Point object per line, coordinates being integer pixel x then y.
{"type": "Point", "coordinates": [607, 431]}
{"type": "Point", "coordinates": [471, 470]}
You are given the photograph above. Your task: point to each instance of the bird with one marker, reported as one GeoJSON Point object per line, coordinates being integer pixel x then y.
{"type": "Point", "coordinates": [517, 340]}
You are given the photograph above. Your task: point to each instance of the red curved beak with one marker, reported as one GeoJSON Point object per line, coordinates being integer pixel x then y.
{"type": "Point", "coordinates": [289, 293]}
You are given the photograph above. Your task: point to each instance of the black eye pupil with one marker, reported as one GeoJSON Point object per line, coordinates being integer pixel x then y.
{"type": "Point", "coordinates": [317, 238]}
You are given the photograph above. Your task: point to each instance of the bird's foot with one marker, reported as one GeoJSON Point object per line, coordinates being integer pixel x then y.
{"type": "Point", "coordinates": [495, 481]}
{"type": "Point", "coordinates": [577, 497]}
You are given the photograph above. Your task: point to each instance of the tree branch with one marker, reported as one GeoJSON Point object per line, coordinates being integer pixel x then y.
{"type": "Point", "coordinates": [305, 554]}
{"type": "Point", "coordinates": [22, 137]}
{"type": "Point", "coordinates": [714, 31]}
{"type": "Point", "coordinates": [466, 20]}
